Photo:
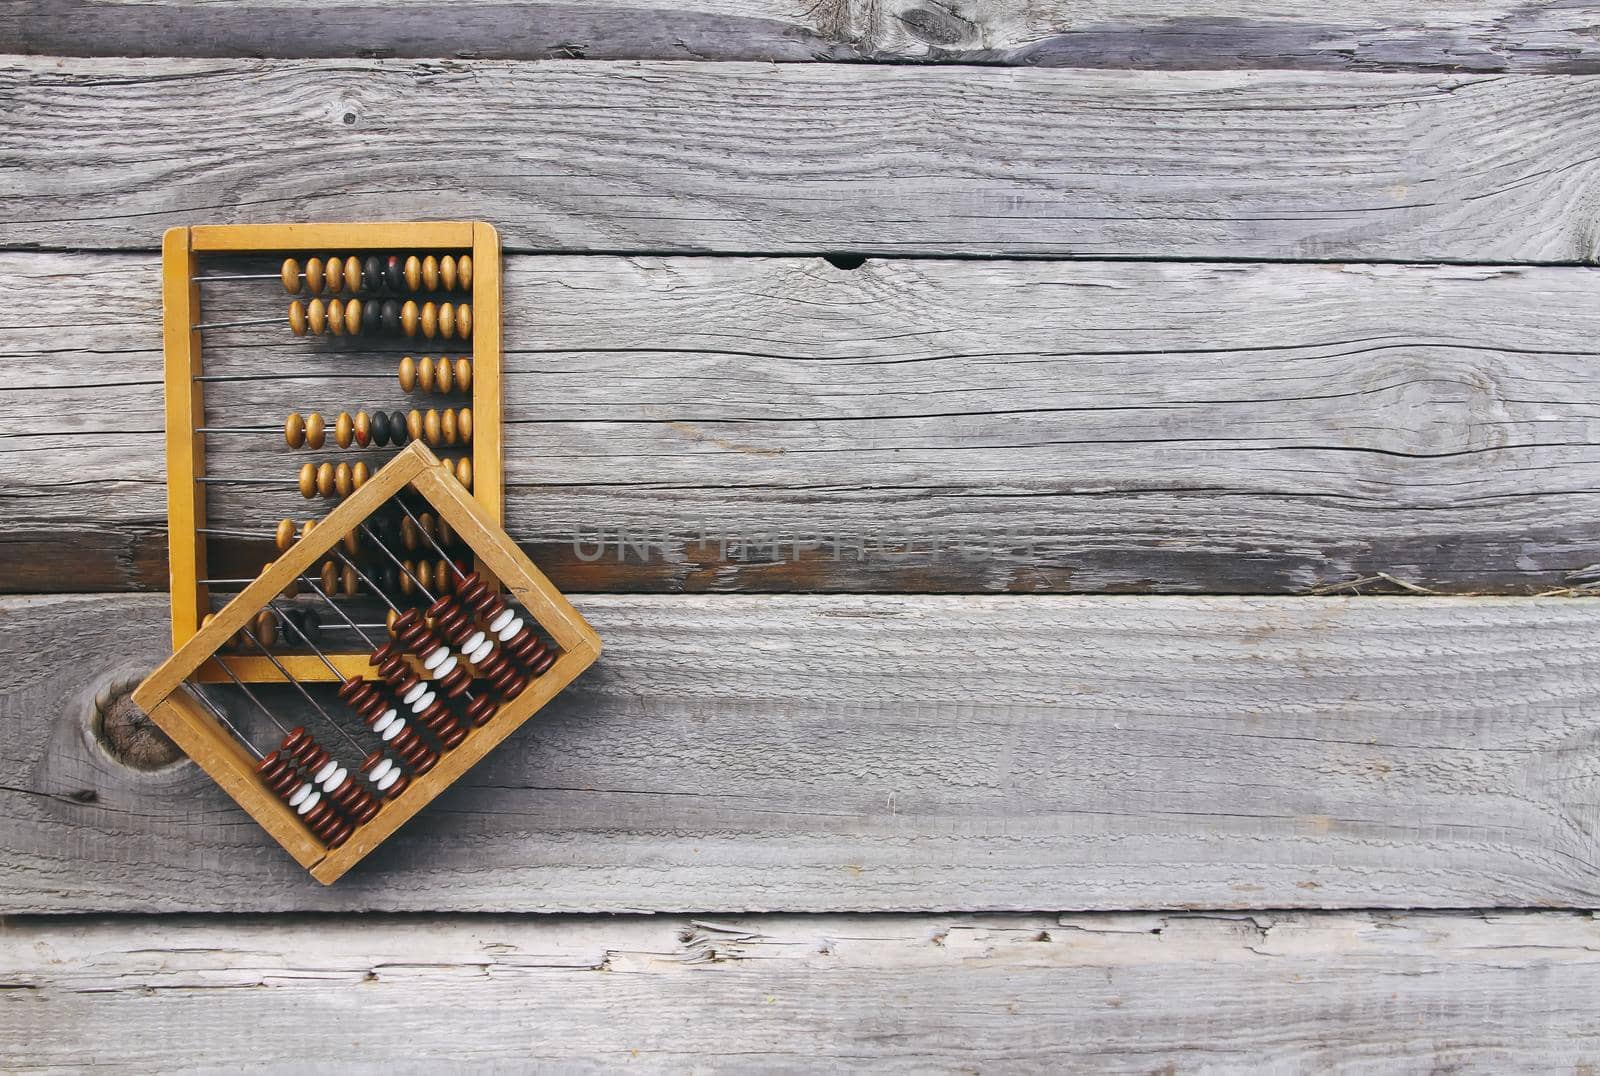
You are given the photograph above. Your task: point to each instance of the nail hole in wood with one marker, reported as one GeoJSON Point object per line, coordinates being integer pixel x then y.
{"type": "Point", "coordinates": [128, 734]}
{"type": "Point", "coordinates": [845, 261]}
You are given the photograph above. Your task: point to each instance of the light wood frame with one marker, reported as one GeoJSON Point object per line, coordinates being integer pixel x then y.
{"type": "Point", "coordinates": [163, 696]}
{"type": "Point", "coordinates": [186, 497]}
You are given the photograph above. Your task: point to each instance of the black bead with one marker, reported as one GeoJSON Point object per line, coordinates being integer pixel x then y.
{"type": "Point", "coordinates": [394, 273]}
{"type": "Point", "coordinates": [397, 428]}
{"type": "Point", "coordinates": [391, 316]}
{"type": "Point", "coordinates": [380, 428]}
{"type": "Point", "coordinates": [372, 274]}
{"type": "Point", "coordinates": [391, 579]}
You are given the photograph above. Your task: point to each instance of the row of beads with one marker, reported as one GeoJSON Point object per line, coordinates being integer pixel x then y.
{"type": "Point", "coordinates": [450, 321]}
{"type": "Point", "coordinates": [409, 534]}
{"type": "Point", "coordinates": [329, 480]}
{"type": "Point", "coordinates": [439, 429]}
{"type": "Point", "coordinates": [375, 274]}
{"type": "Point", "coordinates": [435, 375]}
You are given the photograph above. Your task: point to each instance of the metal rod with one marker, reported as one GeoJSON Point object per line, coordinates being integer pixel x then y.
{"type": "Point", "coordinates": [236, 324]}
{"type": "Point", "coordinates": [398, 562]}
{"type": "Point", "coordinates": [437, 547]}
{"type": "Point", "coordinates": [287, 377]}
{"type": "Point", "coordinates": [308, 581]}
{"type": "Point", "coordinates": [194, 689]}
{"type": "Point", "coordinates": [251, 695]}
{"type": "Point", "coordinates": [363, 577]}
{"type": "Point", "coordinates": [301, 688]}
{"type": "Point", "coordinates": [234, 533]}
{"type": "Point", "coordinates": [287, 483]}
{"type": "Point", "coordinates": [237, 429]}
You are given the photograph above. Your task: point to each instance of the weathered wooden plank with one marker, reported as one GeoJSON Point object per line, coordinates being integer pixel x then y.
{"type": "Point", "coordinates": [727, 158]}
{"type": "Point", "coordinates": [860, 754]}
{"type": "Point", "coordinates": [1547, 36]}
{"type": "Point", "coordinates": [1355, 992]}
{"type": "Point", "coordinates": [934, 425]}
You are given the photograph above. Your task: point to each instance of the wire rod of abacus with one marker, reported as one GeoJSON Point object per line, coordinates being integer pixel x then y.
{"type": "Point", "coordinates": [373, 274]}
{"type": "Point", "coordinates": [387, 317]}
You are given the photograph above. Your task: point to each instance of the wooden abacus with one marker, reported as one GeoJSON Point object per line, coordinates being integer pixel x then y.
{"type": "Point", "coordinates": [410, 282]}
{"type": "Point", "coordinates": [453, 682]}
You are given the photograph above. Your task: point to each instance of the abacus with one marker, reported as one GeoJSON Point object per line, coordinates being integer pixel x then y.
{"type": "Point", "coordinates": [365, 303]}
{"type": "Point", "coordinates": [447, 683]}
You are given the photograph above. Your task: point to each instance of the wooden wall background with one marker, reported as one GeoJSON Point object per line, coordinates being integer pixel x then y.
{"type": "Point", "coordinates": [1217, 318]}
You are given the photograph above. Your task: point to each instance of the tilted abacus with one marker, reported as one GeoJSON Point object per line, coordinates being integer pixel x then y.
{"type": "Point", "coordinates": [460, 665]}
{"type": "Point", "coordinates": [361, 297]}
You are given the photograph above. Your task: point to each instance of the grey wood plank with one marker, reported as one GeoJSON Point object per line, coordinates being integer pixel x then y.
{"type": "Point", "coordinates": [1546, 36]}
{"type": "Point", "coordinates": [1350, 992]}
{"type": "Point", "coordinates": [807, 158]}
{"type": "Point", "coordinates": [935, 425]}
{"type": "Point", "coordinates": [885, 753]}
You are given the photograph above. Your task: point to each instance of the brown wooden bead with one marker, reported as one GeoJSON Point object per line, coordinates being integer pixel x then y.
{"type": "Point", "coordinates": [406, 584]}
{"type": "Point", "coordinates": [350, 543]}
{"type": "Point", "coordinates": [430, 273]}
{"type": "Point", "coordinates": [447, 320]}
{"type": "Point", "coordinates": [463, 472]}
{"type": "Point", "coordinates": [285, 536]}
{"type": "Point", "coordinates": [463, 321]}
{"type": "Point", "coordinates": [464, 271]}
{"type": "Point", "coordinates": [413, 273]}
{"type": "Point", "coordinates": [389, 620]}
{"type": "Point", "coordinates": [344, 429]}
{"type": "Point", "coordinates": [425, 372]}
{"type": "Point", "coordinates": [314, 279]}
{"type": "Point", "coordinates": [317, 316]}
{"type": "Point", "coordinates": [443, 380]}
{"type": "Point", "coordinates": [329, 577]}
{"type": "Point", "coordinates": [290, 275]}
{"type": "Point", "coordinates": [336, 316]}
{"type": "Point", "coordinates": [464, 425]}
{"type": "Point", "coordinates": [349, 581]}
{"type": "Point", "coordinates": [354, 310]}
{"type": "Point", "coordinates": [308, 480]}
{"type": "Point", "coordinates": [306, 529]}
{"type": "Point", "coordinates": [325, 479]}
{"type": "Point", "coordinates": [430, 320]}
{"type": "Point", "coordinates": [294, 430]}
{"type": "Point", "coordinates": [352, 274]}
{"type": "Point", "coordinates": [448, 433]}
{"type": "Point", "coordinates": [297, 318]}
{"type": "Point", "coordinates": [463, 369]}
{"type": "Point", "coordinates": [431, 432]}
{"type": "Point", "coordinates": [316, 430]}
{"type": "Point", "coordinates": [335, 274]}
{"type": "Point", "coordinates": [409, 315]}
{"type": "Point", "coordinates": [447, 272]}
{"type": "Point", "coordinates": [341, 480]}
{"type": "Point", "coordinates": [363, 429]}
{"type": "Point", "coordinates": [408, 373]}
{"type": "Point", "coordinates": [480, 710]}
{"type": "Point", "coordinates": [360, 474]}
{"type": "Point", "coordinates": [409, 538]}
{"type": "Point", "coordinates": [414, 424]}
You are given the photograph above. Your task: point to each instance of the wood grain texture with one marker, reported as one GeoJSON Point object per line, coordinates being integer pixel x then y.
{"type": "Point", "coordinates": [1359, 992]}
{"type": "Point", "coordinates": [862, 754]}
{"type": "Point", "coordinates": [731, 158]}
{"type": "Point", "coordinates": [1472, 35]}
{"type": "Point", "coordinates": [934, 425]}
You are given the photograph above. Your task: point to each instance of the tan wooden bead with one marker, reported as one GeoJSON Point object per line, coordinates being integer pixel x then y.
{"type": "Point", "coordinates": [316, 430]}
{"type": "Point", "coordinates": [409, 314]}
{"type": "Point", "coordinates": [408, 374]}
{"type": "Point", "coordinates": [424, 575]}
{"type": "Point", "coordinates": [265, 628]}
{"type": "Point", "coordinates": [335, 274]}
{"type": "Point", "coordinates": [336, 316]}
{"type": "Point", "coordinates": [447, 272]}
{"type": "Point", "coordinates": [413, 273]}
{"type": "Point", "coordinates": [341, 480]}
{"type": "Point", "coordinates": [325, 484]}
{"type": "Point", "coordinates": [330, 578]}
{"type": "Point", "coordinates": [464, 425]}
{"type": "Point", "coordinates": [430, 273]}
{"type": "Point", "coordinates": [352, 274]}
{"type": "Point", "coordinates": [350, 543]}
{"type": "Point", "coordinates": [353, 311]}
{"type": "Point", "coordinates": [297, 318]}
{"type": "Point", "coordinates": [447, 320]}
{"type": "Point", "coordinates": [290, 275]}
{"type": "Point", "coordinates": [308, 480]}
{"type": "Point", "coordinates": [291, 589]}
{"type": "Point", "coordinates": [306, 528]}
{"type": "Point", "coordinates": [317, 316]}
{"type": "Point", "coordinates": [349, 582]}
{"type": "Point", "coordinates": [344, 429]}
{"type": "Point", "coordinates": [431, 432]}
{"type": "Point", "coordinates": [407, 571]}
{"type": "Point", "coordinates": [430, 320]}
{"type": "Point", "coordinates": [442, 531]}
{"type": "Point", "coordinates": [408, 535]}
{"type": "Point", "coordinates": [463, 369]}
{"type": "Point", "coordinates": [414, 424]}
{"type": "Point", "coordinates": [443, 381]}
{"type": "Point", "coordinates": [294, 430]}
{"type": "Point", "coordinates": [363, 429]}
{"type": "Point", "coordinates": [463, 321]}
{"type": "Point", "coordinates": [314, 277]}
{"type": "Point", "coordinates": [463, 471]}
{"type": "Point", "coordinates": [464, 271]}
{"type": "Point", "coordinates": [285, 536]}
{"type": "Point", "coordinates": [360, 474]}
{"type": "Point", "coordinates": [425, 373]}
{"type": "Point", "coordinates": [447, 428]}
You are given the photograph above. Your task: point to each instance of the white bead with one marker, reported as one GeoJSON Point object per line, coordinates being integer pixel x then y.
{"type": "Point", "coordinates": [446, 669]}
{"type": "Point", "coordinates": [502, 620]}
{"type": "Point", "coordinates": [483, 650]}
{"type": "Point", "coordinates": [393, 730]}
{"type": "Point", "coordinates": [336, 779]}
{"type": "Point", "coordinates": [381, 770]}
{"type": "Point", "coordinates": [300, 794]}
{"type": "Point", "coordinates": [310, 802]}
{"type": "Point", "coordinates": [424, 702]}
{"type": "Point", "coordinates": [473, 642]}
{"type": "Point", "coordinates": [327, 767]}
{"type": "Point", "coordinates": [416, 690]}
{"type": "Point", "coordinates": [389, 779]}
{"type": "Point", "coordinates": [435, 659]}
{"type": "Point", "coordinates": [390, 716]}
{"type": "Point", "coordinates": [511, 629]}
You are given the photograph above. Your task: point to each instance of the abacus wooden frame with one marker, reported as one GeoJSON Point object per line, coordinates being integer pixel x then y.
{"type": "Point", "coordinates": [163, 696]}
{"type": "Point", "coordinates": [185, 398]}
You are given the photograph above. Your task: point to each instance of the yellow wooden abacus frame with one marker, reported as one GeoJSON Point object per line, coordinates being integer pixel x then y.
{"type": "Point", "coordinates": [185, 398]}
{"type": "Point", "coordinates": [163, 696]}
